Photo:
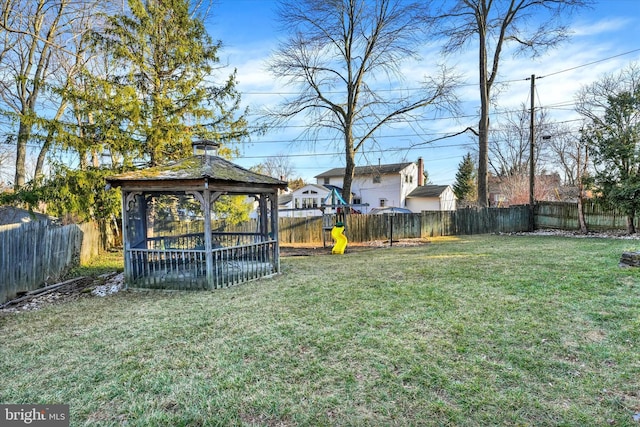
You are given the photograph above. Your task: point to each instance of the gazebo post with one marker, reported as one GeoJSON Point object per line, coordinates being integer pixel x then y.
{"type": "Point", "coordinates": [208, 245]}
{"type": "Point", "coordinates": [264, 224]}
{"type": "Point", "coordinates": [128, 270]}
{"type": "Point", "coordinates": [274, 229]}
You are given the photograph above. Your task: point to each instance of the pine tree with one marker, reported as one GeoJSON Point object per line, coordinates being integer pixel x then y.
{"type": "Point", "coordinates": [465, 185]}
{"type": "Point", "coordinates": [163, 92]}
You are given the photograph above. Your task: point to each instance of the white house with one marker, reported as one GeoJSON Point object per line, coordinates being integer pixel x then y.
{"type": "Point", "coordinates": [432, 198]}
{"type": "Point", "coordinates": [399, 185]}
{"type": "Point", "coordinates": [379, 185]}
{"type": "Point", "coordinates": [305, 201]}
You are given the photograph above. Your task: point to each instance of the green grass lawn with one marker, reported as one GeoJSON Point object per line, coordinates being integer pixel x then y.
{"type": "Point", "coordinates": [485, 330]}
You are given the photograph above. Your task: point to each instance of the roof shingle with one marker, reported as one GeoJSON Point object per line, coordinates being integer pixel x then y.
{"type": "Point", "coordinates": [367, 170]}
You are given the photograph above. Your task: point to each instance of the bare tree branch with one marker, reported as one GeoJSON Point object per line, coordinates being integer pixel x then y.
{"type": "Point", "coordinates": [494, 23]}
{"type": "Point", "coordinates": [339, 53]}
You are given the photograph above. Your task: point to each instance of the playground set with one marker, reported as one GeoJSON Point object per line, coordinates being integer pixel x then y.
{"type": "Point", "coordinates": [335, 223]}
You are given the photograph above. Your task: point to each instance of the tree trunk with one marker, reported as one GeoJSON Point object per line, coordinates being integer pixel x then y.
{"type": "Point", "coordinates": [48, 141]}
{"type": "Point", "coordinates": [349, 172]}
{"type": "Point", "coordinates": [581, 219]}
{"type": "Point", "coordinates": [581, 173]}
{"type": "Point", "coordinates": [483, 158]}
{"type": "Point", "coordinates": [24, 131]}
{"type": "Point", "coordinates": [631, 228]}
{"type": "Point", "coordinates": [483, 124]}
{"type": "Point", "coordinates": [41, 157]}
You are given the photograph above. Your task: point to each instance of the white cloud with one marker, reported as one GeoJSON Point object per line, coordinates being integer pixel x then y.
{"type": "Point", "coordinates": [601, 27]}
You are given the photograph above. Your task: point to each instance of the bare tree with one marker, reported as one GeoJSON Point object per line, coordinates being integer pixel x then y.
{"type": "Point", "coordinates": [509, 143]}
{"type": "Point", "coordinates": [515, 188]}
{"type": "Point", "coordinates": [70, 63]}
{"type": "Point", "coordinates": [279, 166]}
{"type": "Point", "coordinates": [494, 24]}
{"type": "Point", "coordinates": [592, 101]}
{"type": "Point", "coordinates": [30, 29]}
{"type": "Point", "coordinates": [32, 33]}
{"type": "Point", "coordinates": [338, 55]}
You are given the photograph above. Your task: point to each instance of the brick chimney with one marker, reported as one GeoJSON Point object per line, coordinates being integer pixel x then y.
{"type": "Point", "coordinates": [420, 172]}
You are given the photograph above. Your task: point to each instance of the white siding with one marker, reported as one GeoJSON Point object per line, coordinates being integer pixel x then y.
{"type": "Point", "coordinates": [310, 196]}
{"type": "Point", "coordinates": [446, 202]}
{"type": "Point", "coordinates": [419, 204]}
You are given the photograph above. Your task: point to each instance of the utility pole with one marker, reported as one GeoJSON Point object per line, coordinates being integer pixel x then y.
{"type": "Point", "coordinates": [532, 166]}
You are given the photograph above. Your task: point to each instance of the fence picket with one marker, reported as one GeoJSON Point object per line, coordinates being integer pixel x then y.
{"type": "Point", "coordinates": [35, 253]}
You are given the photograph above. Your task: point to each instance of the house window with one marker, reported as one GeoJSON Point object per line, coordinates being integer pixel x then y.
{"type": "Point", "coordinates": [327, 181]}
{"type": "Point", "coordinates": [383, 203]}
{"type": "Point", "coordinates": [357, 201]}
{"type": "Point", "coordinates": [297, 203]}
{"type": "Point", "coordinates": [376, 179]}
{"type": "Point", "coordinates": [309, 202]}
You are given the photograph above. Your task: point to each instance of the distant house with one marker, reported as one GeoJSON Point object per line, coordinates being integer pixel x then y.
{"type": "Point", "coordinates": [311, 200]}
{"type": "Point", "coordinates": [514, 190]}
{"type": "Point", "coordinates": [285, 201]}
{"type": "Point", "coordinates": [379, 186]}
{"type": "Point", "coordinates": [432, 198]}
{"type": "Point", "coordinates": [304, 201]}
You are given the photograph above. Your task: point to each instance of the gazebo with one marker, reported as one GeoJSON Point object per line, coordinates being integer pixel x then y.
{"type": "Point", "coordinates": [175, 231]}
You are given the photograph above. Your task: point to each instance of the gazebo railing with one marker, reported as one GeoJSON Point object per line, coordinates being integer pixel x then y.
{"type": "Point", "coordinates": [239, 264]}
{"type": "Point", "coordinates": [195, 241]}
{"type": "Point", "coordinates": [167, 268]}
{"type": "Point", "coordinates": [187, 268]}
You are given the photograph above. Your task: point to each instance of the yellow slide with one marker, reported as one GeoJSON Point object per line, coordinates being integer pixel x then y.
{"type": "Point", "coordinates": [337, 234]}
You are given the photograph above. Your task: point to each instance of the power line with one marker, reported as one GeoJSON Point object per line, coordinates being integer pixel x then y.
{"type": "Point", "coordinates": [589, 63]}
{"type": "Point", "coordinates": [411, 89]}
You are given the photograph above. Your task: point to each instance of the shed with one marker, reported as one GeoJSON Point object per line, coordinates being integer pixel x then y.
{"type": "Point", "coordinates": [432, 198]}
{"type": "Point", "coordinates": [176, 237]}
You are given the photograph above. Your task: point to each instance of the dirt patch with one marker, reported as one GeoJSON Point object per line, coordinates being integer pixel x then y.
{"type": "Point", "coordinates": [311, 250]}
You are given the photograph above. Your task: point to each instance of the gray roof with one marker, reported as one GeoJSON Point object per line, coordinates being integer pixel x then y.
{"type": "Point", "coordinates": [196, 168]}
{"type": "Point", "coordinates": [428, 191]}
{"type": "Point", "coordinates": [367, 170]}
{"type": "Point", "coordinates": [283, 199]}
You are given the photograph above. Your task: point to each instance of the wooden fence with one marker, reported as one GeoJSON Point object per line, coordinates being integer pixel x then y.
{"type": "Point", "coordinates": [564, 216]}
{"type": "Point", "coordinates": [365, 228]}
{"type": "Point", "coordinates": [35, 253]}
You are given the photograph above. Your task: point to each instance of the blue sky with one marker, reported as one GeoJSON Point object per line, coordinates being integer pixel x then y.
{"type": "Point", "coordinates": [248, 30]}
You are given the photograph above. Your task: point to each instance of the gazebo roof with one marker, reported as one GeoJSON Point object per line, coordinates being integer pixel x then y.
{"type": "Point", "coordinates": [196, 169]}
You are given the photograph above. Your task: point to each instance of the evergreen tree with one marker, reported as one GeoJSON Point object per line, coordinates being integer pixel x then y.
{"type": "Point", "coordinates": [612, 108]}
{"type": "Point", "coordinates": [615, 144]}
{"type": "Point", "coordinates": [465, 185]}
{"type": "Point", "coordinates": [163, 96]}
